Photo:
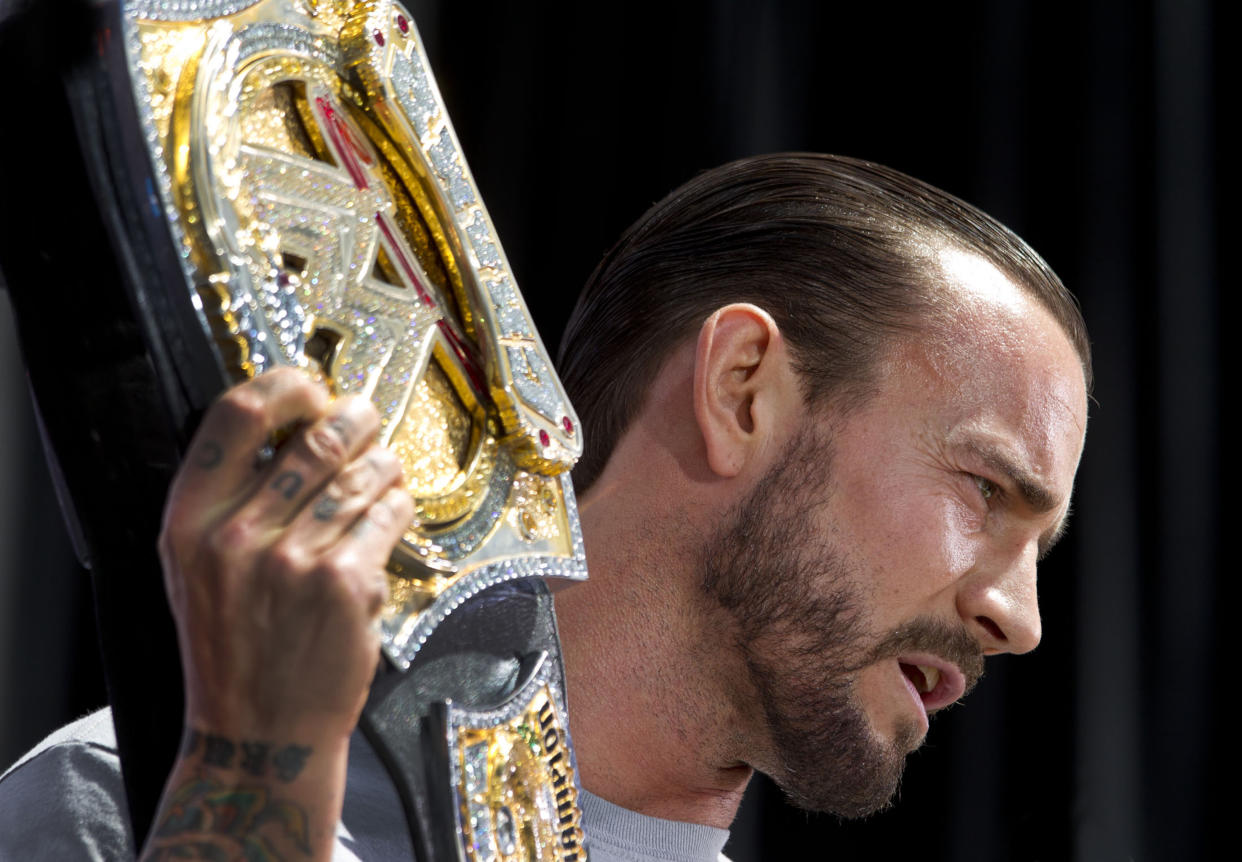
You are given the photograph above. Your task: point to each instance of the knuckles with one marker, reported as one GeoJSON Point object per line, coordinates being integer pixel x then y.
{"type": "Point", "coordinates": [353, 481]}
{"type": "Point", "coordinates": [385, 463]}
{"type": "Point", "coordinates": [381, 515]}
{"type": "Point", "coordinates": [231, 560]}
{"type": "Point", "coordinates": [375, 467]}
{"type": "Point", "coordinates": [339, 583]}
{"type": "Point", "coordinates": [401, 504]}
{"type": "Point", "coordinates": [242, 406]}
{"type": "Point", "coordinates": [326, 446]}
{"type": "Point", "coordinates": [230, 540]}
{"type": "Point", "coordinates": [238, 575]}
{"type": "Point", "coordinates": [252, 404]}
{"type": "Point", "coordinates": [286, 561]}
{"type": "Point", "coordinates": [331, 576]}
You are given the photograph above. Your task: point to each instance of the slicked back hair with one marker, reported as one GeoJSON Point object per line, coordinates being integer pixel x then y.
{"type": "Point", "coordinates": [839, 251]}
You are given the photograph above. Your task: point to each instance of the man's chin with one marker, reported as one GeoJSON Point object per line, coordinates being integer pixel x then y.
{"type": "Point", "coordinates": [848, 801]}
{"type": "Point", "coordinates": [857, 780]}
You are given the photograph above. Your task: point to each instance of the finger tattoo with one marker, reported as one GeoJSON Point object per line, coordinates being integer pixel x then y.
{"type": "Point", "coordinates": [288, 484]}
{"type": "Point", "coordinates": [209, 455]}
{"type": "Point", "coordinates": [325, 508]}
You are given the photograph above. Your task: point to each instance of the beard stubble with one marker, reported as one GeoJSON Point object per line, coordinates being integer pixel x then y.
{"type": "Point", "coordinates": [801, 625]}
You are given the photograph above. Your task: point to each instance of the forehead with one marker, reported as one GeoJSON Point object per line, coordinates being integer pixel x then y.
{"type": "Point", "coordinates": [975, 278]}
{"type": "Point", "coordinates": [994, 371]}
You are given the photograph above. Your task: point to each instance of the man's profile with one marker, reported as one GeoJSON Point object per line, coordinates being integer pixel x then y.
{"type": "Point", "coordinates": [832, 420]}
{"type": "Point", "coordinates": [911, 454]}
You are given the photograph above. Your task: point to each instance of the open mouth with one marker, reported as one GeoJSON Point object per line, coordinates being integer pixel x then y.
{"type": "Point", "coordinates": [938, 684]}
{"type": "Point", "coordinates": [924, 677]}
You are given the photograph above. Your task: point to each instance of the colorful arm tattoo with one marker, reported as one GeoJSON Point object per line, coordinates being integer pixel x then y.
{"type": "Point", "coordinates": [208, 818]}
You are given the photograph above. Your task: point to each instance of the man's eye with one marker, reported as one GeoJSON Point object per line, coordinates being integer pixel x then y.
{"type": "Point", "coordinates": [986, 488]}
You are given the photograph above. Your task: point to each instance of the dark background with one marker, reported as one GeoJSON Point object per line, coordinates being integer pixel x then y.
{"type": "Point", "coordinates": [1088, 127]}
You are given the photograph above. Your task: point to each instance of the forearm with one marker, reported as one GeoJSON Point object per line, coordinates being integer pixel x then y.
{"type": "Point", "coordinates": [275, 572]}
{"type": "Point", "coordinates": [262, 799]}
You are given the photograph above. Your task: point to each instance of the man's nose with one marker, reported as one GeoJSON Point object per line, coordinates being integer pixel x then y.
{"type": "Point", "coordinates": [1001, 606]}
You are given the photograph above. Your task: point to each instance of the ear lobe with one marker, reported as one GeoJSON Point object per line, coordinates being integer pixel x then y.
{"type": "Point", "coordinates": [737, 361]}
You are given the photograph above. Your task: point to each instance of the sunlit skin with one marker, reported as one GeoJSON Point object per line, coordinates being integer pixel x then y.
{"type": "Point", "coordinates": [273, 568]}
{"type": "Point", "coordinates": [955, 480]}
{"type": "Point", "coordinates": [944, 490]}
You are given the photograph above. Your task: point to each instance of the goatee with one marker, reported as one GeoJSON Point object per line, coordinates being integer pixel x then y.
{"type": "Point", "coordinates": [802, 632]}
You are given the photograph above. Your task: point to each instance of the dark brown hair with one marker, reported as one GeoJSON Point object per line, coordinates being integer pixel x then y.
{"type": "Point", "coordinates": [838, 251]}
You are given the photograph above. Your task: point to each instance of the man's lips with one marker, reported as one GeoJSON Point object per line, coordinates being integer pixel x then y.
{"type": "Point", "coordinates": [936, 681]}
{"type": "Point", "coordinates": [938, 662]}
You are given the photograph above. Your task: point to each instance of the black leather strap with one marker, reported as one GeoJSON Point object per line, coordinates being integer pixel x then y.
{"type": "Point", "coordinates": [114, 421]}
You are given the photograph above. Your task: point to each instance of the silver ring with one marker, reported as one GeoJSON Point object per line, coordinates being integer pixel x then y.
{"type": "Point", "coordinates": [265, 456]}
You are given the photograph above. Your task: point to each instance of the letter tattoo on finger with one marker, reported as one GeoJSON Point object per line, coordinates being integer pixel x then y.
{"type": "Point", "coordinates": [288, 484]}
{"type": "Point", "coordinates": [325, 508]}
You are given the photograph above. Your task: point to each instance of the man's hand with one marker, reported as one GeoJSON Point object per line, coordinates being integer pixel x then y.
{"type": "Point", "coordinates": [275, 572]}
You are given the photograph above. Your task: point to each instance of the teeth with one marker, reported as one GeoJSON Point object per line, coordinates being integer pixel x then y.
{"type": "Point", "coordinates": [931, 678]}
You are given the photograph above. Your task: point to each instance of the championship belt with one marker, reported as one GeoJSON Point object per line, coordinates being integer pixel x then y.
{"type": "Point", "coordinates": [281, 185]}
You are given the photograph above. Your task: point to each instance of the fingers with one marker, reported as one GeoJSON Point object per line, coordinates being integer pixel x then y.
{"type": "Point", "coordinates": [339, 505]}
{"type": "Point", "coordinates": [276, 574]}
{"type": "Point", "coordinates": [373, 535]}
{"type": "Point", "coordinates": [220, 462]}
{"type": "Point", "coordinates": [352, 567]}
{"type": "Point", "coordinates": [310, 459]}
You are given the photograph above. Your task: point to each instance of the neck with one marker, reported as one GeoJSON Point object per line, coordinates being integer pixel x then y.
{"type": "Point", "coordinates": [653, 730]}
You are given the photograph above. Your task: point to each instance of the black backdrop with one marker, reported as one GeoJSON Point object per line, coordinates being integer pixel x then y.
{"type": "Point", "coordinates": [1090, 128]}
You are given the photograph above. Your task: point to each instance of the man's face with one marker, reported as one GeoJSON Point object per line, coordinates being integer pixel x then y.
{"type": "Point", "coordinates": [885, 553]}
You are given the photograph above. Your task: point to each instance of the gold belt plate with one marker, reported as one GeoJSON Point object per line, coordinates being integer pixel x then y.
{"type": "Point", "coordinates": [514, 789]}
{"type": "Point", "coordinates": [326, 219]}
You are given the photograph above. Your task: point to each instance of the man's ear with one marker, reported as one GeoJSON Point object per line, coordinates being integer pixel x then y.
{"type": "Point", "coordinates": [743, 382]}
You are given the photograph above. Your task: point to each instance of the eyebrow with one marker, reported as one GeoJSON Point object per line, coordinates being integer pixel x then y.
{"type": "Point", "coordinates": [1038, 497]}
